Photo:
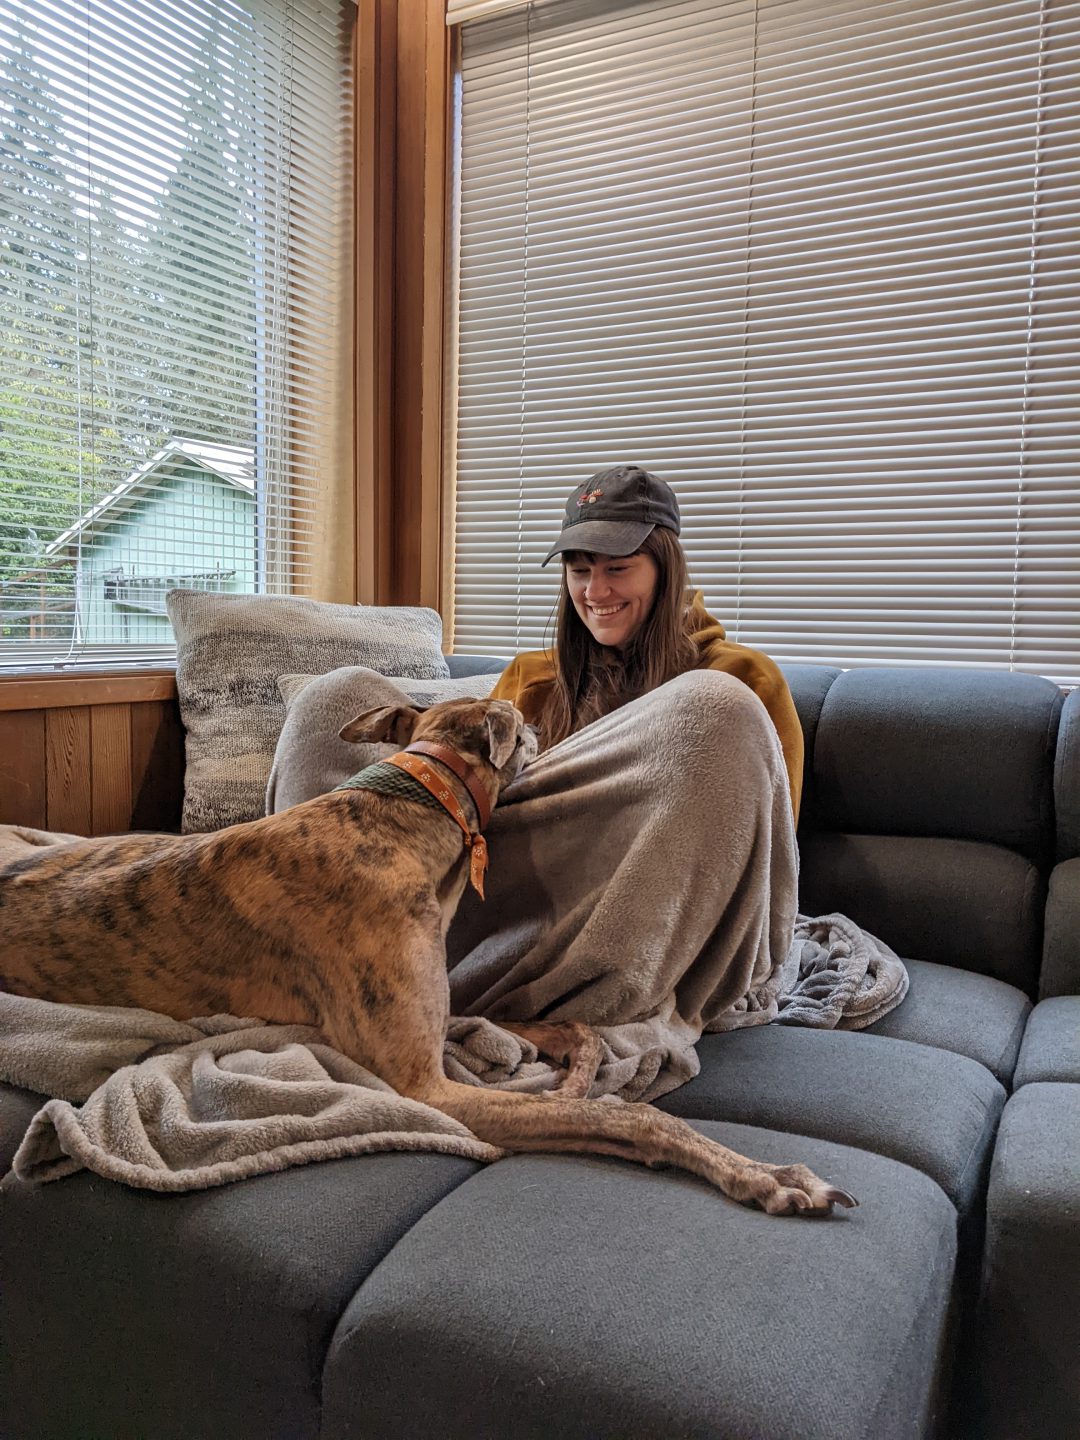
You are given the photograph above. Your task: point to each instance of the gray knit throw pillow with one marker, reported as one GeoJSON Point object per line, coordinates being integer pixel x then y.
{"type": "Point", "coordinates": [230, 651]}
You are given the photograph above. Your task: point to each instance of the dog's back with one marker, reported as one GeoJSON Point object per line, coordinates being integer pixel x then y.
{"type": "Point", "coordinates": [198, 924]}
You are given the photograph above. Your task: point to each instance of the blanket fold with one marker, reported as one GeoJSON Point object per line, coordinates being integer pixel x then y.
{"type": "Point", "coordinates": [174, 1107]}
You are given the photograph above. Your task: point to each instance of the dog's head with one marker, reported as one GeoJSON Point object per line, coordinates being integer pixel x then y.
{"type": "Point", "coordinates": [490, 734]}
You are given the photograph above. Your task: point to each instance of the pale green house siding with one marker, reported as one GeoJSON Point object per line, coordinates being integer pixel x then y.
{"type": "Point", "coordinates": [186, 528]}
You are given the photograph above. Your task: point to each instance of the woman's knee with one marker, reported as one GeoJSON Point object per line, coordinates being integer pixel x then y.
{"type": "Point", "coordinates": [710, 692]}
{"type": "Point", "coordinates": [702, 685]}
{"type": "Point", "coordinates": [714, 711]}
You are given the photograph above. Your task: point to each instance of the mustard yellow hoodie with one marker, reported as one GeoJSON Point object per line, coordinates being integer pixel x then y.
{"type": "Point", "coordinates": [528, 679]}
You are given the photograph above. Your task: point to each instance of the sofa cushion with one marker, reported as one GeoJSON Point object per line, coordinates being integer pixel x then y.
{"type": "Point", "coordinates": [966, 754]}
{"type": "Point", "coordinates": [809, 684]}
{"type": "Point", "coordinates": [574, 1298]}
{"type": "Point", "coordinates": [953, 902]}
{"type": "Point", "coordinates": [1060, 974]}
{"type": "Point", "coordinates": [958, 1010]}
{"type": "Point", "coordinates": [1029, 1346]}
{"type": "Point", "coordinates": [230, 650]}
{"type": "Point", "coordinates": [192, 1317]}
{"type": "Point", "coordinates": [930, 1109]}
{"type": "Point", "coordinates": [1051, 1048]}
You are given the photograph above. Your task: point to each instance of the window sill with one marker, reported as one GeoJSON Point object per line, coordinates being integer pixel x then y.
{"type": "Point", "coordinates": [29, 691]}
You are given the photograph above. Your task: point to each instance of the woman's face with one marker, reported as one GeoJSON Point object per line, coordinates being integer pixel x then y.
{"type": "Point", "coordinates": [613, 594]}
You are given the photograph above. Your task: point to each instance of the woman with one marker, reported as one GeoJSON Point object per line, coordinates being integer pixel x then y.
{"type": "Point", "coordinates": [627, 621]}
{"type": "Point", "coordinates": [643, 868]}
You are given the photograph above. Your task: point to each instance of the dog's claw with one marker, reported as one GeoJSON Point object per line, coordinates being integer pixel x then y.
{"type": "Point", "coordinates": [841, 1197]}
{"type": "Point", "coordinates": [800, 1192]}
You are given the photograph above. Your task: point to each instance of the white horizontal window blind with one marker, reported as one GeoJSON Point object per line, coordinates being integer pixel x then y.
{"type": "Point", "coordinates": [816, 263]}
{"type": "Point", "coordinates": [174, 223]}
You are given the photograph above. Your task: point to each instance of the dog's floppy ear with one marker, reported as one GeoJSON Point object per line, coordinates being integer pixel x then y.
{"type": "Point", "coordinates": [391, 724]}
{"type": "Point", "coordinates": [502, 727]}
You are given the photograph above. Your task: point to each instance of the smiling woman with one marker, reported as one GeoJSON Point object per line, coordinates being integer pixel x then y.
{"type": "Point", "coordinates": [646, 872]}
{"type": "Point", "coordinates": [629, 621]}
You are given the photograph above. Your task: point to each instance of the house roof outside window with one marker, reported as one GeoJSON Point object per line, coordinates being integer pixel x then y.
{"type": "Point", "coordinates": [232, 463]}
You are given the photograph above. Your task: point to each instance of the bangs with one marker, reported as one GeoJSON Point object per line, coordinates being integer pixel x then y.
{"type": "Point", "coordinates": [590, 557]}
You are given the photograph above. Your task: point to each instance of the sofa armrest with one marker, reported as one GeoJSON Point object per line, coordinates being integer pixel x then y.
{"type": "Point", "coordinates": [1029, 1351]}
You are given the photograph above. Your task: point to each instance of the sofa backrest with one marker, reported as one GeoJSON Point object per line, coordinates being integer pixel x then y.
{"type": "Point", "coordinates": [1067, 780]}
{"type": "Point", "coordinates": [928, 812]}
{"type": "Point", "coordinates": [462, 665]}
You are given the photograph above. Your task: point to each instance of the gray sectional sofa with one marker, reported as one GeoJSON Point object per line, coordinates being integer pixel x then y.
{"type": "Point", "coordinates": [427, 1296]}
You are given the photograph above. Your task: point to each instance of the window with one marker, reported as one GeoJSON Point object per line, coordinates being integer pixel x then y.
{"type": "Point", "coordinates": [815, 262]}
{"type": "Point", "coordinates": [175, 255]}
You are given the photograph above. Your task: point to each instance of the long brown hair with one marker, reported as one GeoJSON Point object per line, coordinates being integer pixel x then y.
{"type": "Point", "coordinates": [592, 679]}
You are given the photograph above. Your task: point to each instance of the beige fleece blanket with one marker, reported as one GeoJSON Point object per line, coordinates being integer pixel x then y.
{"type": "Point", "coordinates": [162, 1105]}
{"type": "Point", "coordinates": [643, 879]}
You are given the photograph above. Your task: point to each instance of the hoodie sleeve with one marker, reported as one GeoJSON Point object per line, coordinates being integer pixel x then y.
{"type": "Point", "coordinates": [508, 685]}
{"type": "Point", "coordinates": [767, 681]}
{"type": "Point", "coordinates": [526, 682]}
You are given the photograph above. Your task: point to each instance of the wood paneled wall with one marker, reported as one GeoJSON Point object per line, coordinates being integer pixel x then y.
{"type": "Point", "coordinates": [93, 756]}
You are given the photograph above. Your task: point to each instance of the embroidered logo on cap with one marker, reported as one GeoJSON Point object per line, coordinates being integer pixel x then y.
{"type": "Point", "coordinates": [590, 499]}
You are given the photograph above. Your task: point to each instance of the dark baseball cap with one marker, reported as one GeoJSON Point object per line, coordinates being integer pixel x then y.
{"type": "Point", "coordinates": [614, 511]}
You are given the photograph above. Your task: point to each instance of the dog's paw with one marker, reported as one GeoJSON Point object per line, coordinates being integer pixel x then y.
{"type": "Point", "coordinates": [795, 1190]}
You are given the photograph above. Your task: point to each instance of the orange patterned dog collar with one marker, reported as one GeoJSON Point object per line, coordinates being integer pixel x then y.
{"type": "Point", "coordinates": [434, 784]}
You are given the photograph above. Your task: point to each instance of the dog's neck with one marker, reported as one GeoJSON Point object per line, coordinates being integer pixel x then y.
{"type": "Point", "coordinates": [414, 762]}
{"type": "Point", "coordinates": [464, 772]}
{"type": "Point", "coordinates": [464, 796]}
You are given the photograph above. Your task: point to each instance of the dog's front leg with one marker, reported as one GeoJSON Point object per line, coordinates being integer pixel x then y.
{"type": "Point", "coordinates": [525, 1123]}
{"type": "Point", "coordinates": [390, 1009]}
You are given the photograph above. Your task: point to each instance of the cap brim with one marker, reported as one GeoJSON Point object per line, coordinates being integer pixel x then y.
{"type": "Point", "coordinates": [601, 537]}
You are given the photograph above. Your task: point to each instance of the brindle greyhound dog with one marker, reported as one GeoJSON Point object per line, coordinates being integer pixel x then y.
{"type": "Point", "coordinates": [334, 914]}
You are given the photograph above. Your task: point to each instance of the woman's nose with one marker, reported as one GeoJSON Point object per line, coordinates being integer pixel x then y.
{"type": "Point", "coordinates": [597, 587]}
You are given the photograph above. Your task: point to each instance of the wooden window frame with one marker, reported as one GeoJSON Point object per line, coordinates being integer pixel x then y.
{"type": "Point", "coordinates": [103, 687]}
{"type": "Point", "coordinates": [403, 92]}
